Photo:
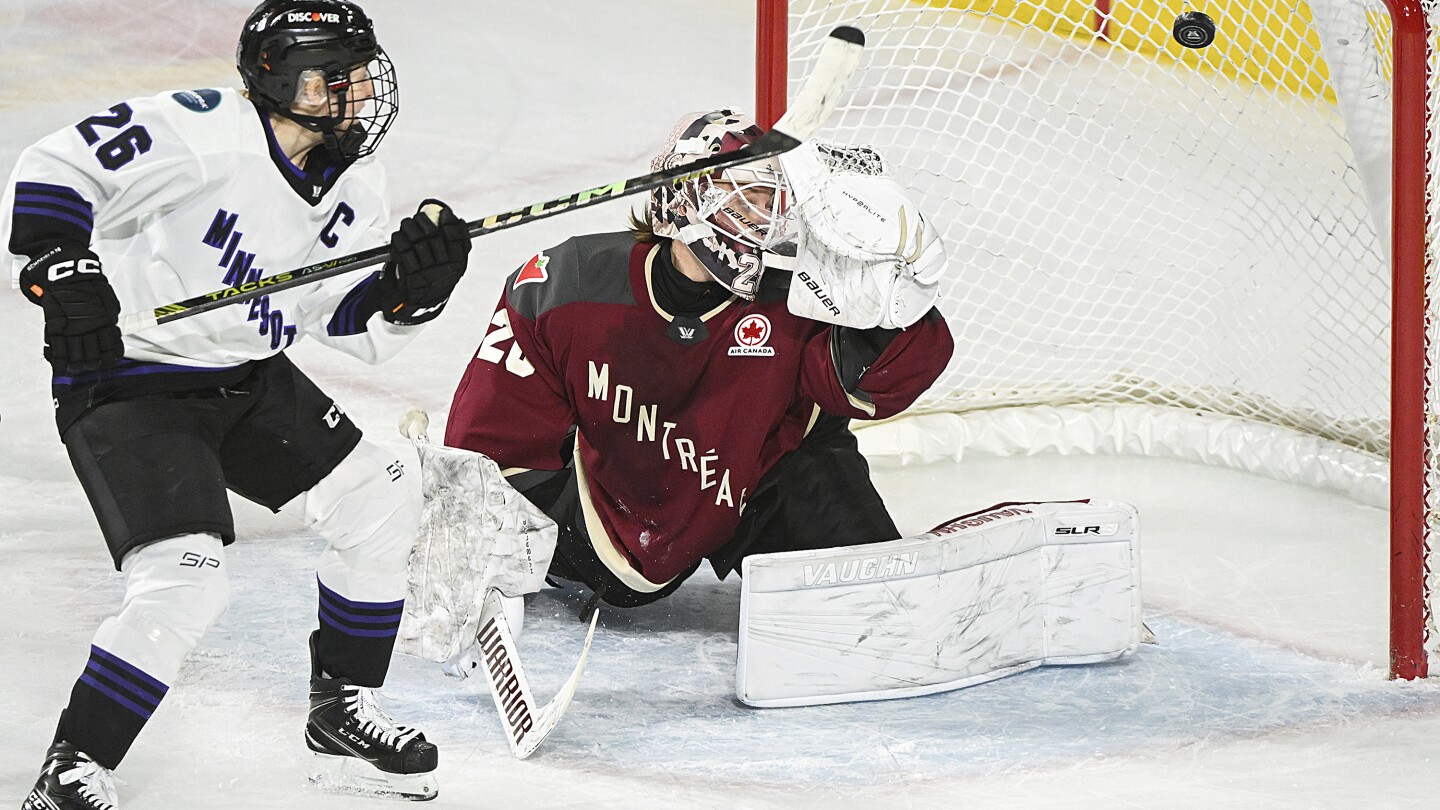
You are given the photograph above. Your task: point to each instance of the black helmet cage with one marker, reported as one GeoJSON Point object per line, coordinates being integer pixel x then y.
{"type": "Point", "coordinates": [288, 44]}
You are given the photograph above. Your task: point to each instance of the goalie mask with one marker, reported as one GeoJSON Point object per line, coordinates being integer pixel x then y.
{"type": "Point", "coordinates": [317, 63]}
{"type": "Point", "coordinates": [725, 217]}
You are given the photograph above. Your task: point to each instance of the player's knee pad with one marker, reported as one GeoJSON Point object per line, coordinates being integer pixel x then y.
{"type": "Point", "coordinates": [368, 508]}
{"type": "Point", "coordinates": [175, 590]}
{"type": "Point", "coordinates": [369, 494]}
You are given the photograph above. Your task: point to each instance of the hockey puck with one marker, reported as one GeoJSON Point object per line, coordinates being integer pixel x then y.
{"type": "Point", "coordinates": [1194, 29]}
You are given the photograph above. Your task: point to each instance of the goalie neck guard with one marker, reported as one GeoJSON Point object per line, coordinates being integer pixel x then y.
{"type": "Point", "coordinates": [725, 217]}
{"type": "Point", "coordinates": [317, 62]}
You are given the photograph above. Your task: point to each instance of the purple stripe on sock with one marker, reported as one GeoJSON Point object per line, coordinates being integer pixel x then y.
{"type": "Point", "coordinates": [115, 696]}
{"type": "Point", "coordinates": [350, 631]}
{"type": "Point", "coordinates": [397, 605]}
{"type": "Point", "coordinates": [360, 618]}
{"type": "Point", "coordinates": [140, 675]}
{"type": "Point", "coordinates": [119, 681]}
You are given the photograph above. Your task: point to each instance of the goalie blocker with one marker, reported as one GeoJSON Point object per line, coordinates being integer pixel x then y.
{"type": "Point", "coordinates": [986, 595]}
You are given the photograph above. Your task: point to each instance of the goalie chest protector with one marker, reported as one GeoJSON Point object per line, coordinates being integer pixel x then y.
{"type": "Point", "coordinates": [674, 434]}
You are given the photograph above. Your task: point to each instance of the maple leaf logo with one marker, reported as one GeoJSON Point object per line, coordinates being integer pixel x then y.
{"type": "Point", "coordinates": [751, 333]}
{"type": "Point", "coordinates": [753, 330]}
{"type": "Point", "coordinates": [534, 270]}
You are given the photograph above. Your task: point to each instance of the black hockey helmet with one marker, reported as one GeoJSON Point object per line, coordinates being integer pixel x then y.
{"type": "Point", "coordinates": [299, 59]}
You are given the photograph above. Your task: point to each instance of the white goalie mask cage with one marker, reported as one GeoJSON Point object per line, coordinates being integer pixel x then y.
{"type": "Point", "coordinates": [728, 217]}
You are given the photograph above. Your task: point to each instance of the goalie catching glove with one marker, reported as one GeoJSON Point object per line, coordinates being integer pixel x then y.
{"type": "Point", "coordinates": [428, 256]}
{"type": "Point", "coordinates": [865, 255]}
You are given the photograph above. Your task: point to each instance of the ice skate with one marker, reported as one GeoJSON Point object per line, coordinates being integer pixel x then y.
{"type": "Point", "coordinates": [71, 780]}
{"type": "Point", "coordinates": [359, 748]}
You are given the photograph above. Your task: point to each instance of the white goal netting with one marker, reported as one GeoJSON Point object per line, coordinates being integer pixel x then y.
{"type": "Point", "coordinates": [1154, 249]}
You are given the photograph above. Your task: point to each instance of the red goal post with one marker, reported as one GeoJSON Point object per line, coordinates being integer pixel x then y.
{"type": "Point", "coordinates": [1033, 154]}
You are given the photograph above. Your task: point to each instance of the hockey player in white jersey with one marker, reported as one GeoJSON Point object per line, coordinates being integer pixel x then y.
{"type": "Point", "coordinates": [160, 199]}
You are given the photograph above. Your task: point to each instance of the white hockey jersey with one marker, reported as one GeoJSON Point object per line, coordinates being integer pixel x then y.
{"type": "Point", "coordinates": [183, 193]}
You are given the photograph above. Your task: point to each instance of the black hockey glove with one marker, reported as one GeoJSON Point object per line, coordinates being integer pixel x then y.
{"type": "Point", "coordinates": [81, 311]}
{"type": "Point", "coordinates": [427, 259]}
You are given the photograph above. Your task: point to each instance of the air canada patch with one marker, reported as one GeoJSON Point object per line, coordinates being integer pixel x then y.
{"type": "Point", "coordinates": [751, 335]}
{"type": "Point", "coordinates": [534, 270]}
{"type": "Point", "coordinates": [198, 100]}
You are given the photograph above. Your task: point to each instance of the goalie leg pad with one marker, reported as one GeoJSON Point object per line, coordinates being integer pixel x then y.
{"type": "Point", "coordinates": [978, 598]}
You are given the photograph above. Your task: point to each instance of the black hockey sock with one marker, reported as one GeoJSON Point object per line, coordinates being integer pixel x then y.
{"type": "Point", "coordinates": [356, 638]}
{"type": "Point", "coordinates": [109, 706]}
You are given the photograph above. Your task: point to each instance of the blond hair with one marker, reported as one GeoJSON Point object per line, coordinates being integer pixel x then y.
{"type": "Point", "coordinates": [641, 228]}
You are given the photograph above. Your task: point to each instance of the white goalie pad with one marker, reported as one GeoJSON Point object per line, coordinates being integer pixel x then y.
{"type": "Point", "coordinates": [983, 596]}
{"type": "Point", "coordinates": [476, 533]}
{"type": "Point", "coordinates": [865, 254]}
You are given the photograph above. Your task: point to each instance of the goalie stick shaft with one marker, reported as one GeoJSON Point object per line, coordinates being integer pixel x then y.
{"type": "Point", "coordinates": [816, 99]}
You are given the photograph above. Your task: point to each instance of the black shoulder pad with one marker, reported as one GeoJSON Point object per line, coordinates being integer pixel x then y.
{"type": "Point", "coordinates": [593, 268]}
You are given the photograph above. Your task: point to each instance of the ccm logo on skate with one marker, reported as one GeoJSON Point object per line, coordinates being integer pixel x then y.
{"type": "Point", "coordinates": [507, 685]}
{"type": "Point", "coordinates": [192, 560]}
{"type": "Point", "coordinates": [882, 567]}
{"type": "Point", "coordinates": [1106, 530]}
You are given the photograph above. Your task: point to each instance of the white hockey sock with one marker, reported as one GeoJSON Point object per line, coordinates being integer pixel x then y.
{"type": "Point", "coordinates": [175, 589]}
{"type": "Point", "coordinates": [368, 508]}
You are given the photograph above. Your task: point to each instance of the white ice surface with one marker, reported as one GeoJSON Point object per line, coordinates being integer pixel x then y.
{"type": "Point", "coordinates": [1267, 689]}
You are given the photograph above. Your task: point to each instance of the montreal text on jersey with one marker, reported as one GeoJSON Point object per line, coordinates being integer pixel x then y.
{"type": "Point", "coordinates": [645, 417]}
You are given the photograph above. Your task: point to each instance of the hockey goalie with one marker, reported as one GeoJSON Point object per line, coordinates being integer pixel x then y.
{"type": "Point", "coordinates": [681, 392]}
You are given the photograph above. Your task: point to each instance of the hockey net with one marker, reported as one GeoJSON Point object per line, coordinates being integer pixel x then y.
{"type": "Point", "coordinates": [1164, 250]}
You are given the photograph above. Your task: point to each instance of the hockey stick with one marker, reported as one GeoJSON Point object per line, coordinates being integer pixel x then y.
{"type": "Point", "coordinates": [525, 725]}
{"type": "Point", "coordinates": [817, 98]}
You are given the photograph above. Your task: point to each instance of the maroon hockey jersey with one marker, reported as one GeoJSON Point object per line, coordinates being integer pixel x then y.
{"type": "Point", "coordinates": [677, 418]}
